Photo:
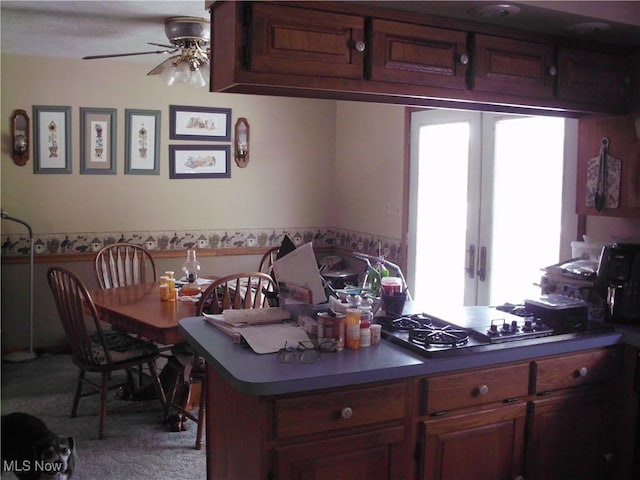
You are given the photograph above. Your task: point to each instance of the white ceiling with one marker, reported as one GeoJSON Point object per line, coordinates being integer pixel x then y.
{"type": "Point", "coordinates": [79, 28]}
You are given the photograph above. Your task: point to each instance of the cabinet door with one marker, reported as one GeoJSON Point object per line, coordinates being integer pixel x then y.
{"type": "Point", "coordinates": [300, 41]}
{"type": "Point", "coordinates": [481, 444]}
{"type": "Point", "coordinates": [418, 55]}
{"type": "Point", "coordinates": [571, 436]}
{"type": "Point", "coordinates": [513, 67]}
{"type": "Point", "coordinates": [593, 78]}
{"type": "Point", "coordinates": [367, 456]}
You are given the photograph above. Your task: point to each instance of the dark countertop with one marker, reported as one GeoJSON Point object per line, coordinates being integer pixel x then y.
{"type": "Point", "coordinates": [260, 375]}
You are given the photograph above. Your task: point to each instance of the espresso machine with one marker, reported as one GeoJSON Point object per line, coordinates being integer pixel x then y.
{"type": "Point", "coordinates": [618, 280]}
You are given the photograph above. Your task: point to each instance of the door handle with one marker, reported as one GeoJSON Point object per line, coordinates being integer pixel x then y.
{"type": "Point", "coordinates": [471, 261]}
{"type": "Point", "coordinates": [482, 264]}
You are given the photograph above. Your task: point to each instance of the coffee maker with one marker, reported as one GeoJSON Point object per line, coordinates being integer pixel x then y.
{"type": "Point", "coordinates": [618, 280]}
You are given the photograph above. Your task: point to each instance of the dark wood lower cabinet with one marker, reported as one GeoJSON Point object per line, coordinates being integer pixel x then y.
{"type": "Point", "coordinates": [365, 456]}
{"type": "Point", "coordinates": [572, 435]}
{"type": "Point", "coordinates": [559, 417]}
{"type": "Point", "coordinates": [485, 444]}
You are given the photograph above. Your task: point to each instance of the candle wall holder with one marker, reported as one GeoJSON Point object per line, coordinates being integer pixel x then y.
{"type": "Point", "coordinates": [242, 142]}
{"type": "Point", "coordinates": [20, 137]}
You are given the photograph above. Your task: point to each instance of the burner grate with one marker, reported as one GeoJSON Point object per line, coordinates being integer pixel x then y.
{"type": "Point", "coordinates": [446, 336]}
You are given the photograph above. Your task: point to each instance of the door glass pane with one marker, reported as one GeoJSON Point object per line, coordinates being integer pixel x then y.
{"type": "Point", "coordinates": [527, 199]}
{"type": "Point", "coordinates": [441, 214]}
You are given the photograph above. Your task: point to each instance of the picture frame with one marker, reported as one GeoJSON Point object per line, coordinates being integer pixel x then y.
{"type": "Point", "coordinates": [199, 161]}
{"type": "Point", "coordinates": [199, 123]}
{"type": "Point", "coordinates": [142, 142]}
{"type": "Point", "coordinates": [98, 127]}
{"type": "Point", "coordinates": [52, 139]}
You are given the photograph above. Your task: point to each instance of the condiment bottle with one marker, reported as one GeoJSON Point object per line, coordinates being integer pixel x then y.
{"type": "Point", "coordinates": [366, 318]}
{"type": "Point", "coordinates": [164, 288]}
{"type": "Point", "coordinates": [352, 327]}
{"type": "Point", "coordinates": [191, 268]}
{"type": "Point", "coordinates": [365, 333]}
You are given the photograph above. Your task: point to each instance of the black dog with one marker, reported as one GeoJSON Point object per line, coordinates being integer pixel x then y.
{"type": "Point", "coordinates": [33, 452]}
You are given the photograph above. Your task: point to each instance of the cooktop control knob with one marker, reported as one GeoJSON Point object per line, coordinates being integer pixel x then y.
{"type": "Point", "coordinates": [528, 325]}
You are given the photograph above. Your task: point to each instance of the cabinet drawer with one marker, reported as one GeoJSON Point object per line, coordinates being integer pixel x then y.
{"type": "Point", "coordinates": [574, 370]}
{"type": "Point", "coordinates": [339, 410]}
{"type": "Point", "coordinates": [459, 390]}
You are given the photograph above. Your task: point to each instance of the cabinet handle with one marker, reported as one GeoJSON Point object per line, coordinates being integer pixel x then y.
{"type": "Point", "coordinates": [519, 477]}
{"type": "Point", "coordinates": [360, 46]}
{"type": "Point", "coordinates": [346, 413]}
{"type": "Point", "coordinates": [482, 264]}
{"type": "Point", "coordinates": [553, 71]}
{"type": "Point", "coordinates": [471, 261]}
{"type": "Point", "coordinates": [483, 390]}
{"type": "Point", "coordinates": [463, 59]}
{"type": "Point", "coordinates": [583, 372]}
{"type": "Point", "coordinates": [608, 457]}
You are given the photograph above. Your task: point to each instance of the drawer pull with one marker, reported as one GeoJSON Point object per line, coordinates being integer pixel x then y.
{"type": "Point", "coordinates": [360, 46]}
{"type": "Point", "coordinates": [346, 413]}
{"type": "Point", "coordinates": [582, 372]}
{"type": "Point", "coordinates": [483, 390]}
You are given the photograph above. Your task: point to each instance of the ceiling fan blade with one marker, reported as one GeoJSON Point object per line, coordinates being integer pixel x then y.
{"type": "Point", "coordinates": [93, 57]}
{"type": "Point", "coordinates": [161, 45]}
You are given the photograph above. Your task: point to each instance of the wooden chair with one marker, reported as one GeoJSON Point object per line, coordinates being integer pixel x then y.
{"type": "Point", "coordinates": [236, 291]}
{"type": "Point", "coordinates": [94, 350]}
{"type": "Point", "coordinates": [266, 262]}
{"type": "Point", "coordinates": [121, 264]}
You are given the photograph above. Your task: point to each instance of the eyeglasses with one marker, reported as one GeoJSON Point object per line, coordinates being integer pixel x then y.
{"type": "Point", "coordinates": [307, 352]}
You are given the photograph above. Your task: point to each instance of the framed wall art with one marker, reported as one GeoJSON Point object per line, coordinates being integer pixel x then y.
{"type": "Point", "coordinates": [142, 140]}
{"type": "Point", "coordinates": [51, 139]}
{"type": "Point", "coordinates": [98, 141]}
{"type": "Point", "coordinates": [199, 123]}
{"type": "Point", "coordinates": [195, 161]}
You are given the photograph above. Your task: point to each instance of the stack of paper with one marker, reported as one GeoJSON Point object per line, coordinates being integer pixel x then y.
{"type": "Point", "coordinates": [300, 268]}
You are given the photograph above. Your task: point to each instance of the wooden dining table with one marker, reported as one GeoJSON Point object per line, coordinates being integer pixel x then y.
{"type": "Point", "coordinates": [138, 310]}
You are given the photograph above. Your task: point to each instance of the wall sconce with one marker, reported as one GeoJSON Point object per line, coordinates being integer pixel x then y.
{"type": "Point", "coordinates": [242, 142]}
{"type": "Point", "coordinates": [20, 137]}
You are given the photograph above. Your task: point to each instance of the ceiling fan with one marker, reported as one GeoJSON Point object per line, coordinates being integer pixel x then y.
{"type": "Point", "coordinates": [190, 41]}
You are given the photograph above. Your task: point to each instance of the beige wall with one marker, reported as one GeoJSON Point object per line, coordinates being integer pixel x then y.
{"type": "Point", "coordinates": [292, 156]}
{"type": "Point", "coordinates": [369, 167]}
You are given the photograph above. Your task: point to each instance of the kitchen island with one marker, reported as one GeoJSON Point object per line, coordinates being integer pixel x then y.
{"type": "Point", "coordinates": [386, 412]}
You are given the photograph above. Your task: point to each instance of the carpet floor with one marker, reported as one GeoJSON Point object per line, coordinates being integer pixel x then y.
{"type": "Point", "coordinates": [137, 444]}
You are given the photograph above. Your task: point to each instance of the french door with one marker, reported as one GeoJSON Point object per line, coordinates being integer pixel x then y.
{"type": "Point", "coordinates": [485, 206]}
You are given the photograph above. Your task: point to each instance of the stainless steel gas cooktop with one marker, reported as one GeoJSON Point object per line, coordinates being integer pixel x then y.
{"type": "Point", "coordinates": [476, 329]}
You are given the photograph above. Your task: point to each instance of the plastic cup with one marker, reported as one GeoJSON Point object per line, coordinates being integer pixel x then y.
{"type": "Point", "coordinates": [394, 304]}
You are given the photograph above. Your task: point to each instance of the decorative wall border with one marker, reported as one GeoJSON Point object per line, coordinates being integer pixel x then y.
{"type": "Point", "coordinates": [17, 245]}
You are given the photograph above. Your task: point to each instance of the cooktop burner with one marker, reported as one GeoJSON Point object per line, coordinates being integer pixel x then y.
{"type": "Point", "coordinates": [446, 336]}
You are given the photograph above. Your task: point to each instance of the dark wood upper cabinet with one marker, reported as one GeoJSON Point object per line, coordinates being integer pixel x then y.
{"type": "Point", "coordinates": [593, 77]}
{"type": "Point", "coordinates": [298, 41]}
{"type": "Point", "coordinates": [333, 50]}
{"type": "Point", "coordinates": [519, 67]}
{"type": "Point", "coordinates": [418, 55]}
